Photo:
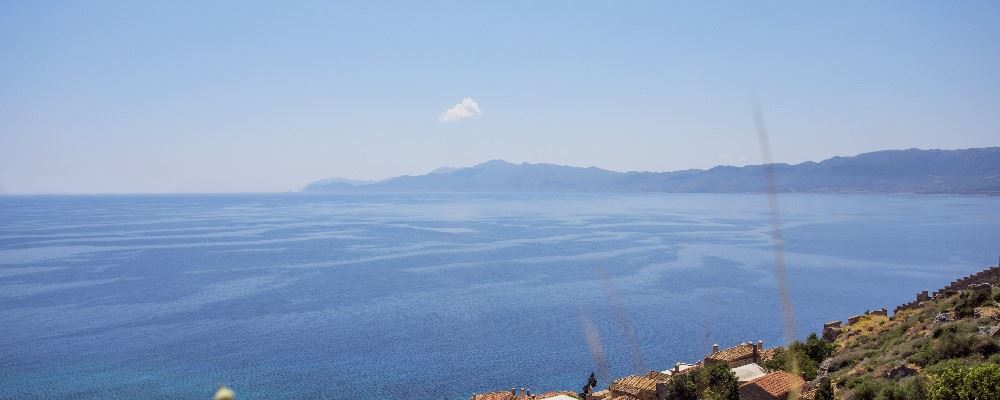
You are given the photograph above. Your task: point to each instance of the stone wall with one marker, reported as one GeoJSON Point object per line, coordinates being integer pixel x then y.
{"type": "Point", "coordinates": [831, 330]}
{"type": "Point", "coordinates": [982, 280]}
{"type": "Point", "coordinates": [989, 275]}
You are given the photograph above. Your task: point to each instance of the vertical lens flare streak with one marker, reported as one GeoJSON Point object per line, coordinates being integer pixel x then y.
{"type": "Point", "coordinates": [711, 298]}
{"type": "Point", "coordinates": [777, 241]}
{"type": "Point", "coordinates": [593, 337]}
{"type": "Point", "coordinates": [624, 323]}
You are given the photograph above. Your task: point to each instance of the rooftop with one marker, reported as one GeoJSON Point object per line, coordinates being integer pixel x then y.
{"type": "Point", "coordinates": [494, 396]}
{"type": "Point", "coordinates": [560, 396]}
{"type": "Point", "coordinates": [768, 354]}
{"type": "Point", "coordinates": [660, 376]}
{"type": "Point", "coordinates": [738, 352]}
{"type": "Point", "coordinates": [633, 384]}
{"type": "Point", "coordinates": [749, 372]}
{"type": "Point", "coordinates": [776, 384]}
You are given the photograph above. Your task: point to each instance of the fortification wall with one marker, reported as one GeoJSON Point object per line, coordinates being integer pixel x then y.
{"type": "Point", "coordinates": [990, 275]}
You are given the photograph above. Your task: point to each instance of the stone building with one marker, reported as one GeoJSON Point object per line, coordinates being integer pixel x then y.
{"type": "Point", "coordinates": [634, 387]}
{"type": "Point", "coordinates": [832, 330]}
{"type": "Point", "coordinates": [512, 394]}
{"type": "Point", "coordinates": [524, 394]}
{"type": "Point", "coordinates": [739, 355]}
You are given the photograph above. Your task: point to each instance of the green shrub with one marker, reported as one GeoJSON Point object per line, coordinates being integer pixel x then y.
{"type": "Point", "coordinates": [681, 387]}
{"type": "Point", "coordinates": [889, 391]}
{"type": "Point", "coordinates": [817, 349]}
{"type": "Point", "coordinates": [913, 388]}
{"type": "Point", "coordinates": [966, 383]}
{"type": "Point", "coordinates": [953, 345]}
{"type": "Point", "coordinates": [984, 346]}
{"type": "Point", "coordinates": [845, 359]}
{"type": "Point", "coordinates": [939, 367]}
{"type": "Point", "coordinates": [794, 360]}
{"type": "Point", "coordinates": [969, 300]}
{"type": "Point", "coordinates": [924, 357]}
{"type": "Point", "coordinates": [984, 381]}
{"type": "Point", "coordinates": [866, 389]}
{"type": "Point", "coordinates": [715, 382]}
{"type": "Point", "coordinates": [806, 356]}
{"type": "Point", "coordinates": [824, 391]}
{"type": "Point", "coordinates": [721, 382]}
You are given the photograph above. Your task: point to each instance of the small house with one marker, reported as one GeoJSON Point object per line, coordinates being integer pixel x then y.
{"type": "Point", "coordinates": [773, 386]}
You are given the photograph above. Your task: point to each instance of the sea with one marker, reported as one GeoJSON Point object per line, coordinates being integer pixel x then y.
{"type": "Point", "coordinates": [441, 295]}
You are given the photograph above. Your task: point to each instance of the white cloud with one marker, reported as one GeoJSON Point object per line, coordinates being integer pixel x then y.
{"type": "Point", "coordinates": [468, 108]}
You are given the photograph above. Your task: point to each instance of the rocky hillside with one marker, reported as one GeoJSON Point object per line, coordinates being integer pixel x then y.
{"type": "Point", "coordinates": [946, 347]}
{"type": "Point", "coordinates": [943, 346]}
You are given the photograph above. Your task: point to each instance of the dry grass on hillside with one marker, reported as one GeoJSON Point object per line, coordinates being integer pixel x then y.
{"type": "Point", "coordinates": [896, 358]}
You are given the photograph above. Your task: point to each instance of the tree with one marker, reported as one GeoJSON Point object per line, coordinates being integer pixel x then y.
{"type": "Point", "coordinates": [588, 388]}
{"type": "Point", "coordinates": [802, 358]}
{"type": "Point", "coordinates": [817, 349]}
{"type": "Point", "coordinates": [715, 382]}
{"type": "Point", "coordinates": [795, 360]}
{"type": "Point", "coordinates": [680, 387]}
{"type": "Point", "coordinates": [722, 382]}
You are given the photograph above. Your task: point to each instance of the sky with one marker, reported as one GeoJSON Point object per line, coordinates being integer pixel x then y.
{"type": "Point", "coordinates": [245, 96]}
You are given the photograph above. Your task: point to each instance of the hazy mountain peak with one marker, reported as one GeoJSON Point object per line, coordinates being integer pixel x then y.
{"type": "Point", "coordinates": [444, 170]}
{"type": "Point", "coordinates": [888, 171]}
{"type": "Point", "coordinates": [495, 163]}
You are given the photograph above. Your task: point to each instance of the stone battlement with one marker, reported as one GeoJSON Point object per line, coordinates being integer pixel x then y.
{"type": "Point", "coordinates": [987, 276]}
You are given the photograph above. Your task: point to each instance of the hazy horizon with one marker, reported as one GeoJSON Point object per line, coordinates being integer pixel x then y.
{"type": "Point", "coordinates": [228, 97]}
{"type": "Point", "coordinates": [350, 179]}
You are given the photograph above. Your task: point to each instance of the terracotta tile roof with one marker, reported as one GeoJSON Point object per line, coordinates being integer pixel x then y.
{"type": "Point", "coordinates": [768, 354]}
{"type": "Point", "coordinates": [658, 376]}
{"type": "Point", "coordinates": [557, 396]}
{"type": "Point", "coordinates": [633, 385]}
{"type": "Point", "coordinates": [776, 384]}
{"type": "Point", "coordinates": [494, 396]}
{"type": "Point", "coordinates": [554, 394]}
{"type": "Point", "coordinates": [690, 368]}
{"type": "Point", "coordinates": [738, 352]}
{"type": "Point", "coordinates": [507, 395]}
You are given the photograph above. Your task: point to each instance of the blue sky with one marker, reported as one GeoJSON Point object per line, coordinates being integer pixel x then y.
{"type": "Point", "coordinates": [243, 96]}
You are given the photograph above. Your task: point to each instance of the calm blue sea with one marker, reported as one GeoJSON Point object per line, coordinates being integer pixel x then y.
{"type": "Point", "coordinates": [437, 296]}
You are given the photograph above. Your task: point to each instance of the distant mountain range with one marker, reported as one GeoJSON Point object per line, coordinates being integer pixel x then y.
{"type": "Point", "coordinates": [967, 171]}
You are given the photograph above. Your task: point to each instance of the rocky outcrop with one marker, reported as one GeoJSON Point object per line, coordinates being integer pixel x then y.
{"type": "Point", "coordinates": [831, 330]}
